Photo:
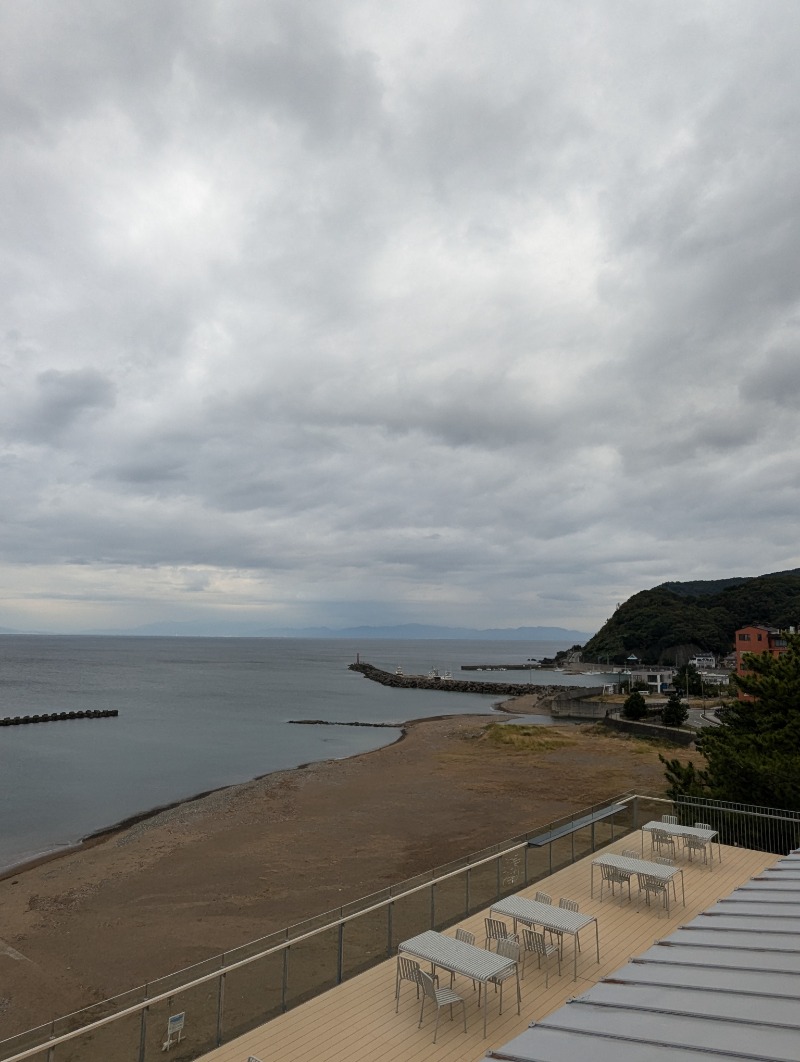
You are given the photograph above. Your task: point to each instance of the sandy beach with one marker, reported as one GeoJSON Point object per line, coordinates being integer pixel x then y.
{"type": "Point", "coordinates": [237, 864]}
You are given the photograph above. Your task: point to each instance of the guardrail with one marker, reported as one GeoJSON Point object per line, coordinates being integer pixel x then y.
{"type": "Point", "coordinates": [229, 994]}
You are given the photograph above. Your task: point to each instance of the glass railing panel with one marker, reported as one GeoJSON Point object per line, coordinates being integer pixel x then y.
{"type": "Point", "coordinates": [410, 915]}
{"type": "Point", "coordinates": [483, 889]}
{"type": "Point", "coordinates": [312, 966]}
{"type": "Point", "coordinates": [175, 981]}
{"type": "Point", "coordinates": [23, 1041]}
{"type": "Point", "coordinates": [116, 1042]}
{"type": "Point", "coordinates": [537, 863]}
{"type": "Point", "coordinates": [651, 808]}
{"type": "Point", "coordinates": [512, 872]}
{"type": "Point", "coordinates": [582, 842]}
{"type": "Point", "coordinates": [365, 942]}
{"type": "Point", "coordinates": [561, 852]}
{"type": "Point", "coordinates": [199, 1007]}
{"type": "Point", "coordinates": [253, 948]}
{"type": "Point", "coordinates": [450, 901]}
{"type": "Point", "coordinates": [253, 995]}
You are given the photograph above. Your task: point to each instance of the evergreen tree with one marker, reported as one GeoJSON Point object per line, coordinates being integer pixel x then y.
{"type": "Point", "coordinates": [754, 754]}
{"type": "Point", "coordinates": [634, 706]}
{"type": "Point", "coordinates": [674, 713]}
{"type": "Point", "coordinates": [688, 680]}
{"type": "Point", "coordinates": [683, 779]}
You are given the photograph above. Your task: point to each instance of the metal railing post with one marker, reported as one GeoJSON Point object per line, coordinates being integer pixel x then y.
{"type": "Point", "coordinates": [285, 980]}
{"type": "Point", "coordinates": [220, 1007]}
{"type": "Point", "coordinates": [389, 928]}
{"type": "Point", "coordinates": [340, 956]}
{"type": "Point", "coordinates": [143, 1035]}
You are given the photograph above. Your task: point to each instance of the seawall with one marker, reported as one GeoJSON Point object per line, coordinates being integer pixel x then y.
{"type": "Point", "coordinates": [423, 682]}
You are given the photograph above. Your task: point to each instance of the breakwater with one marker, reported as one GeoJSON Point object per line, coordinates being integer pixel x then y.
{"type": "Point", "coordinates": [56, 717]}
{"type": "Point", "coordinates": [423, 682]}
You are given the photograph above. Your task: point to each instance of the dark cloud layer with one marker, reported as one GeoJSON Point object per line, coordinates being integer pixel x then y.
{"type": "Point", "coordinates": [323, 313]}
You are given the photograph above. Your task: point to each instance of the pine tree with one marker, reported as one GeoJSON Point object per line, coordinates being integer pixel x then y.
{"type": "Point", "coordinates": [634, 706]}
{"type": "Point", "coordinates": [674, 713]}
{"type": "Point", "coordinates": [754, 754]}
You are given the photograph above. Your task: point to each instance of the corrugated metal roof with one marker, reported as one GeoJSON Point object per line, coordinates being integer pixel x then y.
{"type": "Point", "coordinates": [725, 986]}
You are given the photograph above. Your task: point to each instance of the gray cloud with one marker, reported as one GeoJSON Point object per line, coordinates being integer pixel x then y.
{"type": "Point", "coordinates": [451, 314]}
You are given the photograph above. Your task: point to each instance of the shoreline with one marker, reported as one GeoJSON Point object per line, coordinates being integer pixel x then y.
{"type": "Point", "coordinates": [183, 884]}
{"type": "Point", "coordinates": [107, 833]}
{"type": "Point", "coordinates": [104, 833]}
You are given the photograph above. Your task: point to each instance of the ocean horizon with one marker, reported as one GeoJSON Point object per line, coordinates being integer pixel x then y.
{"type": "Point", "coordinates": [198, 714]}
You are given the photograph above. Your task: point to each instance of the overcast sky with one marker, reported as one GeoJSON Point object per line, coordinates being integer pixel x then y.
{"type": "Point", "coordinates": [335, 312]}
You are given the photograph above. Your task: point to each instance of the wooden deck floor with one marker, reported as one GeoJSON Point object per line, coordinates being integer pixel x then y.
{"type": "Point", "coordinates": [356, 1021]}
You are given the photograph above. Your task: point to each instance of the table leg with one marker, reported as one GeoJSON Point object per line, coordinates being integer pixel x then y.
{"type": "Point", "coordinates": [683, 888]}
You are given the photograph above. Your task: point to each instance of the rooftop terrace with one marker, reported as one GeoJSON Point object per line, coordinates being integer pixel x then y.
{"type": "Point", "coordinates": [356, 1020]}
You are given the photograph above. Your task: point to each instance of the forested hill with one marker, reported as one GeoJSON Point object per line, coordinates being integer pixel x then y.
{"type": "Point", "coordinates": [673, 621]}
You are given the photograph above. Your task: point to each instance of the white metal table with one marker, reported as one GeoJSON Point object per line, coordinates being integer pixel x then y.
{"type": "Point", "coordinates": [456, 956]}
{"type": "Point", "coordinates": [638, 866]}
{"type": "Point", "coordinates": [676, 830]}
{"type": "Point", "coordinates": [559, 919]}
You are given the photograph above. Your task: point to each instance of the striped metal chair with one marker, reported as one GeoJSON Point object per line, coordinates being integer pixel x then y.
{"type": "Point", "coordinates": [509, 949]}
{"type": "Point", "coordinates": [496, 930]}
{"type": "Point", "coordinates": [407, 970]}
{"type": "Point", "coordinates": [652, 886]}
{"type": "Point", "coordinates": [535, 944]}
{"type": "Point", "coordinates": [441, 997]}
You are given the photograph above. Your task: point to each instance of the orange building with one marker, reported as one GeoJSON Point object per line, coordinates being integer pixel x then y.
{"type": "Point", "coordinates": [757, 639]}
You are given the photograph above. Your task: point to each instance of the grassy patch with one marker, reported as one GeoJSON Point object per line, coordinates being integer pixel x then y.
{"type": "Point", "coordinates": [526, 738]}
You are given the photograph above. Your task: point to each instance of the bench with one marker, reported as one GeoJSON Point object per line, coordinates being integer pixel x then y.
{"type": "Point", "coordinates": [576, 824]}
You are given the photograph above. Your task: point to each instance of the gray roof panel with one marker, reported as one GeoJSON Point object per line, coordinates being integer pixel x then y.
{"type": "Point", "coordinates": [724, 987]}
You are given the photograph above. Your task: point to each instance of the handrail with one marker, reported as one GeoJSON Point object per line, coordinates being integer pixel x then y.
{"type": "Point", "coordinates": [136, 1008]}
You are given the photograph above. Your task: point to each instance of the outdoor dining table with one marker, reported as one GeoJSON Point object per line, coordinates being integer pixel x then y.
{"type": "Point", "coordinates": [558, 919]}
{"type": "Point", "coordinates": [638, 866]}
{"type": "Point", "coordinates": [456, 956]}
{"type": "Point", "coordinates": [675, 830]}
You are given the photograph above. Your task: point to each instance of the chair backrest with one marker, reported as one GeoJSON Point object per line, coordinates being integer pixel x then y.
{"type": "Point", "coordinates": [542, 897]}
{"type": "Point", "coordinates": [665, 861]}
{"type": "Point", "coordinates": [495, 929]}
{"type": "Point", "coordinates": [534, 941]}
{"type": "Point", "coordinates": [609, 873]}
{"type": "Point", "coordinates": [646, 881]}
{"type": "Point", "coordinates": [409, 969]}
{"type": "Point", "coordinates": [428, 987]}
{"type": "Point", "coordinates": [631, 853]}
{"type": "Point", "coordinates": [465, 935]}
{"type": "Point", "coordinates": [509, 949]}
{"type": "Point", "coordinates": [568, 905]}
{"type": "Point", "coordinates": [703, 826]}
{"type": "Point", "coordinates": [671, 819]}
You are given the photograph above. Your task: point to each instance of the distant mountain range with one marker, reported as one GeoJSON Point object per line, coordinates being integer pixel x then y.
{"type": "Point", "coordinates": [406, 631]}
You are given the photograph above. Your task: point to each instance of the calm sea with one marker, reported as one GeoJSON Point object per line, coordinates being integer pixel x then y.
{"type": "Point", "coordinates": [196, 714]}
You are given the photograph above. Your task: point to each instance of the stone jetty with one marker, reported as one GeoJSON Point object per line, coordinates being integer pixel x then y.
{"type": "Point", "coordinates": [423, 682]}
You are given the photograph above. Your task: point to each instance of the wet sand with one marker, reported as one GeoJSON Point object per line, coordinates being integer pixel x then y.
{"type": "Point", "coordinates": [213, 873]}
